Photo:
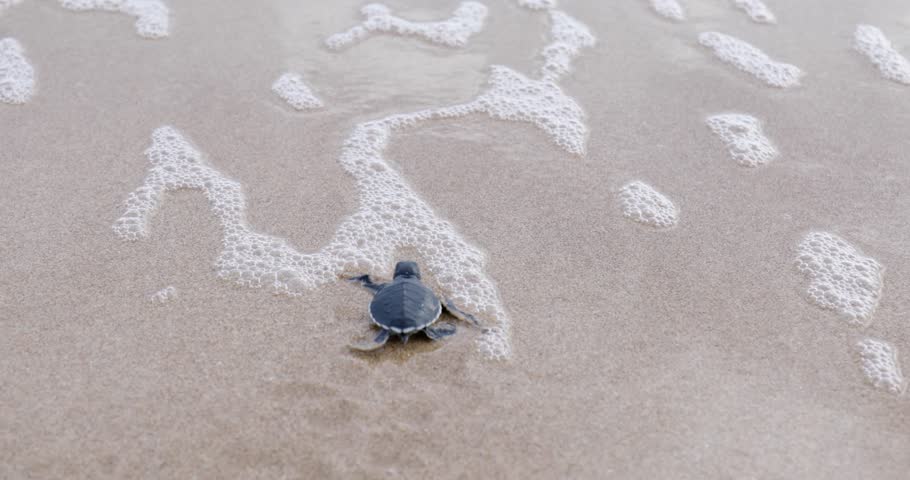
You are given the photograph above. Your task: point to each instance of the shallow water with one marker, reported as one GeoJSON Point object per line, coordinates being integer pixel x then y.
{"type": "Point", "coordinates": [685, 352]}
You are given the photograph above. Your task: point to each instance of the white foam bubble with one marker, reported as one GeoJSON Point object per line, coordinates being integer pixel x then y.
{"type": "Point", "coordinates": [841, 278]}
{"type": "Point", "coordinates": [642, 203]}
{"type": "Point", "coordinates": [455, 31]}
{"type": "Point", "coordinates": [871, 42]}
{"type": "Point", "coordinates": [17, 77]}
{"type": "Point", "coordinates": [164, 295]}
{"type": "Point", "coordinates": [151, 15]}
{"type": "Point", "coordinates": [512, 96]}
{"type": "Point", "coordinates": [291, 88]}
{"type": "Point", "coordinates": [537, 4]}
{"type": "Point", "coordinates": [744, 138]}
{"type": "Point", "coordinates": [881, 365]}
{"type": "Point", "coordinates": [569, 37]}
{"type": "Point", "coordinates": [756, 10]}
{"type": "Point", "coordinates": [391, 216]}
{"type": "Point", "coordinates": [669, 8]}
{"type": "Point", "coordinates": [751, 60]}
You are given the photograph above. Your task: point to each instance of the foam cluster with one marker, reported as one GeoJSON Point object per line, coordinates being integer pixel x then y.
{"type": "Point", "coordinates": [391, 216]}
{"type": "Point", "coordinates": [455, 31]}
{"type": "Point", "coordinates": [642, 203]}
{"type": "Point", "coordinates": [17, 77]}
{"type": "Point", "coordinates": [164, 295]}
{"type": "Point", "coordinates": [871, 42]}
{"type": "Point", "coordinates": [881, 366]}
{"type": "Point", "coordinates": [569, 37]}
{"type": "Point", "coordinates": [537, 4]}
{"type": "Point", "coordinates": [756, 10]}
{"type": "Point", "coordinates": [151, 15]}
{"type": "Point", "coordinates": [669, 9]}
{"type": "Point", "coordinates": [751, 60]}
{"type": "Point", "coordinates": [744, 138]}
{"type": "Point", "coordinates": [512, 96]}
{"type": "Point", "coordinates": [841, 278]}
{"type": "Point", "coordinates": [291, 88]}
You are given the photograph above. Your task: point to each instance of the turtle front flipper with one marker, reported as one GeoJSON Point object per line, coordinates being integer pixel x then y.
{"type": "Point", "coordinates": [369, 346]}
{"type": "Point", "coordinates": [367, 283]}
{"type": "Point", "coordinates": [440, 330]}
{"type": "Point", "coordinates": [460, 314]}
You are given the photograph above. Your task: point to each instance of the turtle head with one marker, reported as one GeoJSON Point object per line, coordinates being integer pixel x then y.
{"type": "Point", "coordinates": [407, 270]}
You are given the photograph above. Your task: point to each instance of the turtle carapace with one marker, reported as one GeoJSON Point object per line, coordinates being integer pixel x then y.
{"type": "Point", "coordinates": [406, 306]}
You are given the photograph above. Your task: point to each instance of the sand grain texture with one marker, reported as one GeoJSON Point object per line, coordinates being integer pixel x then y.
{"type": "Point", "coordinates": [686, 353]}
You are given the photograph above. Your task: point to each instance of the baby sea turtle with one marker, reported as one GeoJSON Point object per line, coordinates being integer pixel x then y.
{"type": "Point", "coordinates": [406, 306]}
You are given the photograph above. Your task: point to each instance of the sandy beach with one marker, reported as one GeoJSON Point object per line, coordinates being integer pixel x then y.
{"type": "Point", "coordinates": [636, 352]}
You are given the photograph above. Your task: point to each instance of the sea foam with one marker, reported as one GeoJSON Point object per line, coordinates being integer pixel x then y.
{"type": "Point", "coordinates": [538, 4]}
{"type": "Point", "coordinates": [512, 96]}
{"type": "Point", "coordinates": [391, 216]}
{"type": "Point", "coordinates": [744, 138]}
{"type": "Point", "coordinates": [642, 203]}
{"type": "Point", "coordinates": [871, 42]}
{"type": "Point", "coordinates": [17, 77]}
{"type": "Point", "coordinates": [841, 278]}
{"type": "Point", "coordinates": [151, 15]}
{"type": "Point", "coordinates": [569, 37]}
{"type": "Point", "coordinates": [164, 295]}
{"type": "Point", "coordinates": [669, 8]}
{"type": "Point", "coordinates": [467, 20]}
{"type": "Point", "coordinates": [751, 60]}
{"type": "Point", "coordinates": [291, 88]}
{"type": "Point", "coordinates": [756, 10]}
{"type": "Point", "coordinates": [881, 365]}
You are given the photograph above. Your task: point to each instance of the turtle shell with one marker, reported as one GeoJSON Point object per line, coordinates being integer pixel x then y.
{"type": "Point", "coordinates": [405, 306]}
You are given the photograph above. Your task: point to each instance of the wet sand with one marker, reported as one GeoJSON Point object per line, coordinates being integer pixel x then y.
{"type": "Point", "coordinates": [638, 353]}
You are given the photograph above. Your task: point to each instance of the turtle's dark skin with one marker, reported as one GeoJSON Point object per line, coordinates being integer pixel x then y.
{"type": "Point", "coordinates": [406, 306]}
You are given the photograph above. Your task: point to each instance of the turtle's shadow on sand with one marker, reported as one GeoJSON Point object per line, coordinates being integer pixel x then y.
{"type": "Point", "coordinates": [395, 351]}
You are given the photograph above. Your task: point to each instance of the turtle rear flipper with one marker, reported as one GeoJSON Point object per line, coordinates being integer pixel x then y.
{"type": "Point", "coordinates": [460, 314]}
{"type": "Point", "coordinates": [440, 330]}
{"type": "Point", "coordinates": [370, 345]}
